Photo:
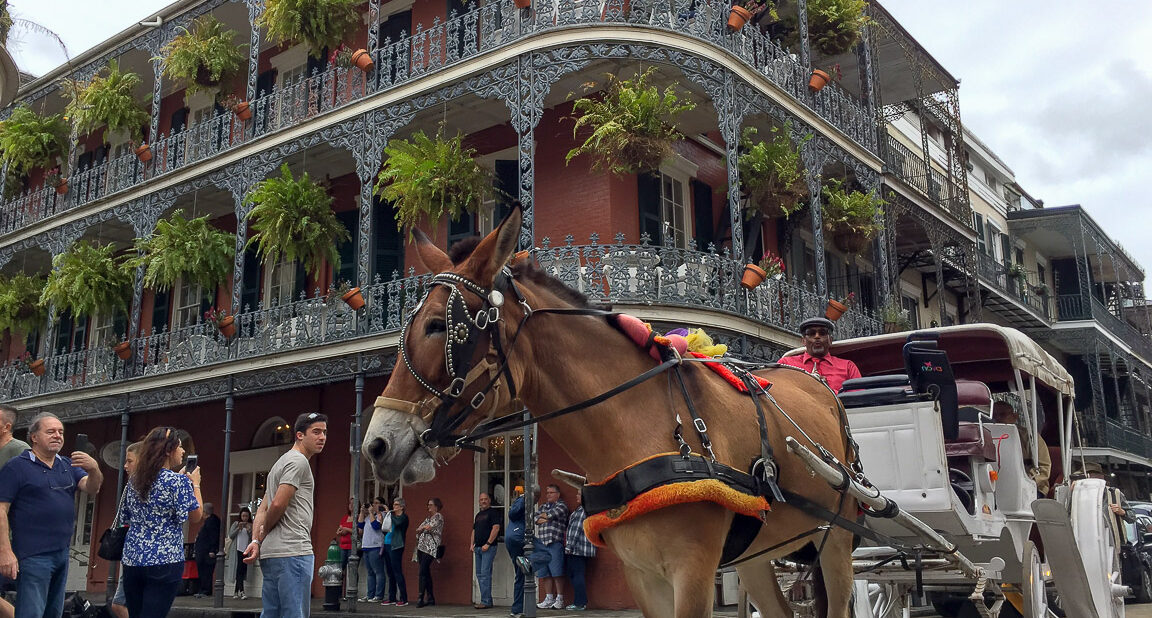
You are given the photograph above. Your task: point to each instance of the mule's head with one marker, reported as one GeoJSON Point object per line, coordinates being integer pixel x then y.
{"type": "Point", "coordinates": [442, 345]}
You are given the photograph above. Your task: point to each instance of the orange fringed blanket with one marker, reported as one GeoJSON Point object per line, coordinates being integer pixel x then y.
{"type": "Point", "coordinates": [707, 490]}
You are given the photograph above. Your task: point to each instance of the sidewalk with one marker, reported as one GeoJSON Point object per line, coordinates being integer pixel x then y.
{"type": "Point", "coordinates": [188, 607]}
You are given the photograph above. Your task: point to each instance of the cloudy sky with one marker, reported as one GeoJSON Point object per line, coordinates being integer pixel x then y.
{"type": "Point", "coordinates": [1060, 90]}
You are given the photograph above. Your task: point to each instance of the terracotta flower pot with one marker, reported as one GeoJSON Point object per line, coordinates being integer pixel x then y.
{"type": "Point", "coordinates": [242, 110]}
{"type": "Point", "coordinates": [123, 350]}
{"type": "Point", "coordinates": [520, 256]}
{"type": "Point", "coordinates": [227, 326]}
{"type": "Point", "coordinates": [363, 60]}
{"type": "Point", "coordinates": [818, 80]}
{"type": "Point", "coordinates": [37, 366]}
{"type": "Point", "coordinates": [738, 16]}
{"type": "Point", "coordinates": [834, 310]}
{"type": "Point", "coordinates": [892, 327]}
{"type": "Point", "coordinates": [144, 153]}
{"type": "Point", "coordinates": [752, 277]}
{"type": "Point", "coordinates": [354, 299]}
{"type": "Point", "coordinates": [522, 4]}
{"type": "Point", "coordinates": [62, 186]}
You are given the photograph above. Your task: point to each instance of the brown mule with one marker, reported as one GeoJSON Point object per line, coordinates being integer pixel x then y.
{"type": "Point", "coordinates": [671, 555]}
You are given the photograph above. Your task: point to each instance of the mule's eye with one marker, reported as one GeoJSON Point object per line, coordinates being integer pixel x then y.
{"type": "Point", "coordinates": [435, 326]}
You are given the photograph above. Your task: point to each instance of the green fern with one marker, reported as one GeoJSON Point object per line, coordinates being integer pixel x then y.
{"type": "Point", "coordinates": [5, 22]}
{"type": "Point", "coordinates": [207, 47]}
{"type": "Point", "coordinates": [293, 220]}
{"type": "Point", "coordinates": [109, 101]}
{"type": "Point", "coordinates": [20, 308]}
{"type": "Point", "coordinates": [30, 140]}
{"type": "Point", "coordinates": [88, 279]}
{"type": "Point", "coordinates": [771, 174]}
{"type": "Point", "coordinates": [428, 178]}
{"type": "Point", "coordinates": [633, 124]}
{"type": "Point", "coordinates": [319, 23]}
{"type": "Point", "coordinates": [188, 250]}
{"type": "Point", "coordinates": [850, 211]}
{"type": "Point", "coordinates": [835, 25]}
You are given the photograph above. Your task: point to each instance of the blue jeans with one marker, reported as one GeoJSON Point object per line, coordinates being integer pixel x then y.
{"type": "Point", "coordinates": [575, 566]}
{"type": "Point", "coordinates": [150, 590]}
{"type": "Point", "coordinates": [40, 586]}
{"type": "Point", "coordinates": [287, 591]}
{"type": "Point", "coordinates": [515, 550]}
{"type": "Point", "coordinates": [377, 580]}
{"type": "Point", "coordinates": [484, 572]}
{"type": "Point", "coordinates": [394, 562]}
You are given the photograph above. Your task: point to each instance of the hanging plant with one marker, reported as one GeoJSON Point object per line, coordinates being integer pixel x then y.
{"type": "Point", "coordinates": [771, 174]}
{"type": "Point", "coordinates": [184, 250]}
{"type": "Point", "coordinates": [426, 178]}
{"type": "Point", "coordinates": [203, 55]}
{"type": "Point", "coordinates": [293, 220]}
{"type": "Point", "coordinates": [29, 140]}
{"type": "Point", "coordinates": [109, 101]}
{"type": "Point", "coordinates": [633, 124]}
{"type": "Point", "coordinates": [20, 308]}
{"type": "Point", "coordinates": [850, 215]}
{"type": "Point", "coordinates": [317, 23]}
{"type": "Point", "coordinates": [88, 279]}
{"type": "Point", "coordinates": [834, 26]}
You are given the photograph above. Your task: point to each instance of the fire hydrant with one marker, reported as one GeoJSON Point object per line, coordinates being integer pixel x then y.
{"type": "Point", "coordinates": [331, 574]}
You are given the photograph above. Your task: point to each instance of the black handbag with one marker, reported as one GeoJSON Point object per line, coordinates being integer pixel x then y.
{"type": "Point", "coordinates": [439, 552]}
{"type": "Point", "coordinates": [112, 541]}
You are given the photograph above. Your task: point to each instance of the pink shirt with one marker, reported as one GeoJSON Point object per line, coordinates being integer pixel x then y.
{"type": "Point", "coordinates": [833, 369]}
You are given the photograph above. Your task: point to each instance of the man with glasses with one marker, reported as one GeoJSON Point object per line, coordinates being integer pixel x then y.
{"type": "Point", "coordinates": [38, 498]}
{"type": "Point", "coordinates": [548, 555]}
{"type": "Point", "coordinates": [817, 360]}
{"type": "Point", "coordinates": [282, 530]}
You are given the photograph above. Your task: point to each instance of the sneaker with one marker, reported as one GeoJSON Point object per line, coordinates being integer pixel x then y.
{"type": "Point", "coordinates": [364, 600]}
{"type": "Point", "coordinates": [388, 603]}
{"type": "Point", "coordinates": [236, 595]}
{"type": "Point", "coordinates": [401, 603]}
{"type": "Point", "coordinates": [559, 604]}
{"type": "Point", "coordinates": [243, 596]}
{"type": "Point", "coordinates": [574, 608]}
{"type": "Point", "coordinates": [548, 602]}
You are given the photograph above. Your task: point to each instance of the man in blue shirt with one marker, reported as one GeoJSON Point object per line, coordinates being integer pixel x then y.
{"type": "Point", "coordinates": [37, 497]}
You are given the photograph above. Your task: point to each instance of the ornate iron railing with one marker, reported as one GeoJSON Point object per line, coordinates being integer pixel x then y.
{"type": "Point", "coordinates": [619, 273]}
{"type": "Point", "coordinates": [910, 167]}
{"type": "Point", "coordinates": [445, 43]}
{"type": "Point", "coordinates": [1021, 290]}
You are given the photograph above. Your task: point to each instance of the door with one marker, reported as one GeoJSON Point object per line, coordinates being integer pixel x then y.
{"type": "Point", "coordinates": [249, 475]}
{"type": "Point", "coordinates": [498, 472]}
{"type": "Point", "coordinates": [79, 559]}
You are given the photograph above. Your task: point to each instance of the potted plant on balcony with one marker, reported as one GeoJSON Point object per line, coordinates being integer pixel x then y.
{"type": "Point", "coordinates": [203, 55]}
{"type": "Point", "coordinates": [27, 363]}
{"type": "Point", "coordinates": [895, 317]}
{"type": "Point", "coordinates": [88, 279]}
{"type": "Point", "coordinates": [109, 101]}
{"type": "Point", "coordinates": [318, 23]}
{"type": "Point", "coordinates": [821, 78]}
{"type": "Point", "coordinates": [293, 220]}
{"type": "Point", "coordinates": [632, 123]}
{"type": "Point", "coordinates": [349, 294]}
{"type": "Point", "coordinates": [29, 140]}
{"type": "Point", "coordinates": [769, 267]}
{"type": "Point", "coordinates": [743, 11]}
{"type": "Point", "coordinates": [20, 308]}
{"type": "Point", "coordinates": [1016, 271]}
{"type": "Point", "coordinates": [850, 216]}
{"type": "Point", "coordinates": [240, 107]}
{"type": "Point", "coordinates": [771, 174]}
{"type": "Point", "coordinates": [185, 250]}
{"type": "Point", "coordinates": [837, 308]}
{"type": "Point", "coordinates": [345, 57]}
{"type": "Point", "coordinates": [428, 177]}
{"type": "Point", "coordinates": [834, 26]}
{"type": "Point", "coordinates": [224, 322]}
{"type": "Point", "coordinates": [1041, 289]}
{"type": "Point", "coordinates": [54, 178]}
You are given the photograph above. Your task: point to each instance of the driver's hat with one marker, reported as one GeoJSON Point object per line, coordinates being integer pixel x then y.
{"type": "Point", "coordinates": [825, 322]}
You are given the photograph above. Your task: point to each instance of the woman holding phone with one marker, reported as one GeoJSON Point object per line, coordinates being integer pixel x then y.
{"type": "Point", "coordinates": [157, 502]}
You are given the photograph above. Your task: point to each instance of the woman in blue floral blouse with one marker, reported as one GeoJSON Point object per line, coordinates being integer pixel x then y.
{"type": "Point", "coordinates": [154, 547]}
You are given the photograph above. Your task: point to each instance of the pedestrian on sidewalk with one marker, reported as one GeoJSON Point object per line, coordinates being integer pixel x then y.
{"type": "Point", "coordinates": [548, 555]}
{"type": "Point", "coordinates": [485, 535]}
{"type": "Point", "coordinates": [373, 520]}
{"type": "Point", "coordinates": [207, 544]}
{"type": "Point", "coordinates": [577, 550]}
{"type": "Point", "coordinates": [514, 543]}
{"type": "Point", "coordinates": [241, 535]}
{"type": "Point", "coordinates": [429, 535]}
{"type": "Point", "coordinates": [282, 533]}
{"type": "Point", "coordinates": [394, 556]}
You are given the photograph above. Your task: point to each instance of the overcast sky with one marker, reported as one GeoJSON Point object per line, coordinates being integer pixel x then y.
{"type": "Point", "coordinates": [1060, 90]}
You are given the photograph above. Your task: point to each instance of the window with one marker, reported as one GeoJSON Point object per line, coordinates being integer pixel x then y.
{"type": "Point", "coordinates": [279, 283]}
{"type": "Point", "coordinates": [910, 305]}
{"type": "Point", "coordinates": [291, 70]}
{"type": "Point", "coordinates": [978, 224]}
{"type": "Point", "coordinates": [188, 301]}
{"type": "Point", "coordinates": [103, 332]}
{"type": "Point", "coordinates": [998, 249]}
{"type": "Point", "coordinates": [673, 211]}
{"type": "Point", "coordinates": [664, 203]}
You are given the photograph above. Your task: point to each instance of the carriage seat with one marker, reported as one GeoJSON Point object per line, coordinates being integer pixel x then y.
{"type": "Point", "coordinates": [974, 399]}
{"type": "Point", "coordinates": [876, 391]}
{"type": "Point", "coordinates": [969, 443]}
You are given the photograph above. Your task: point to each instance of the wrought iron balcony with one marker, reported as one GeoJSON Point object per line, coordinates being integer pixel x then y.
{"type": "Point", "coordinates": [446, 43]}
{"type": "Point", "coordinates": [1078, 307]}
{"type": "Point", "coordinates": [911, 168]}
{"type": "Point", "coordinates": [620, 274]}
{"type": "Point", "coordinates": [1022, 290]}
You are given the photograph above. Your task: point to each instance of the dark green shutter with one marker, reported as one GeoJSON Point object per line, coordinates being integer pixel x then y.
{"type": "Point", "coordinates": [347, 249]}
{"type": "Point", "coordinates": [648, 196]}
{"type": "Point", "coordinates": [161, 306]}
{"type": "Point", "coordinates": [702, 213]}
{"type": "Point", "coordinates": [388, 244]}
{"type": "Point", "coordinates": [250, 284]}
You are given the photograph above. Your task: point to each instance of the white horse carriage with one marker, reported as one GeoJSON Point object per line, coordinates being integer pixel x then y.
{"type": "Point", "coordinates": [971, 531]}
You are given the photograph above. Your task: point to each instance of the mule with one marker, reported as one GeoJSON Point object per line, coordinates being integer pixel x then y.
{"type": "Point", "coordinates": [554, 360]}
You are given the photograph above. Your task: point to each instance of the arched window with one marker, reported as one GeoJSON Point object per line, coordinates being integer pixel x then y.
{"type": "Point", "coordinates": [274, 432]}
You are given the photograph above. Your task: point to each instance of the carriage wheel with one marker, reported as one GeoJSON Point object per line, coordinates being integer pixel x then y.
{"type": "Point", "coordinates": [1032, 584]}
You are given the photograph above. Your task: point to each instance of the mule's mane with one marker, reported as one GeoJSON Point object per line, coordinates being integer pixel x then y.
{"type": "Point", "coordinates": [523, 270]}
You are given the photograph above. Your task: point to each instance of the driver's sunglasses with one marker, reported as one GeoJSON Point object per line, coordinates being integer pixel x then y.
{"type": "Point", "coordinates": [816, 332]}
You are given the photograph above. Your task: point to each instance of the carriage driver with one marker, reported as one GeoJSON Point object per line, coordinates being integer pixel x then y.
{"type": "Point", "coordinates": [817, 359]}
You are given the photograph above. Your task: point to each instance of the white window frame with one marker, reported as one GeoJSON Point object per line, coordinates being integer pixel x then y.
{"type": "Point", "coordinates": [289, 65]}
{"type": "Point", "coordinates": [981, 232]}
{"type": "Point", "coordinates": [101, 330]}
{"type": "Point", "coordinates": [676, 172]}
{"type": "Point", "coordinates": [281, 275]}
{"type": "Point", "coordinates": [201, 110]}
{"type": "Point", "coordinates": [994, 242]}
{"type": "Point", "coordinates": [179, 315]}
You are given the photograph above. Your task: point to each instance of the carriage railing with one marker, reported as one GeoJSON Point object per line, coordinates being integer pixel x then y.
{"type": "Point", "coordinates": [428, 50]}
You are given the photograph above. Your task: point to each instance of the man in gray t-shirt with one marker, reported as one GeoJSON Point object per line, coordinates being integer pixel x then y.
{"type": "Point", "coordinates": [281, 534]}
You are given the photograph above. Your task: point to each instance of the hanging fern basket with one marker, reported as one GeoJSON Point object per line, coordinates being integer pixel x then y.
{"type": "Point", "coordinates": [851, 242]}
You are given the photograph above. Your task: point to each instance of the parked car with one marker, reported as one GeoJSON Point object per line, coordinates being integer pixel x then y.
{"type": "Point", "coordinates": [1136, 558]}
{"type": "Point", "coordinates": [1141, 508]}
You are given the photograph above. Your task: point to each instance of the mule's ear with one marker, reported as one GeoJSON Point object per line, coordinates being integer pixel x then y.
{"type": "Point", "coordinates": [496, 248]}
{"type": "Point", "coordinates": [435, 260]}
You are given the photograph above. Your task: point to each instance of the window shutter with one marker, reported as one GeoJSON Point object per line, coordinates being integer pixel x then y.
{"type": "Point", "coordinates": [301, 282]}
{"type": "Point", "coordinates": [388, 242]}
{"type": "Point", "coordinates": [507, 188]}
{"type": "Point", "coordinates": [702, 214]}
{"type": "Point", "coordinates": [347, 249]}
{"type": "Point", "coordinates": [161, 307]}
{"type": "Point", "coordinates": [64, 332]}
{"type": "Point", "coordinates": [250, 285]}
{"type": "Point", "coordinates": [648, 196]}
{"type": "Point", "coordinates": [461, 229]}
